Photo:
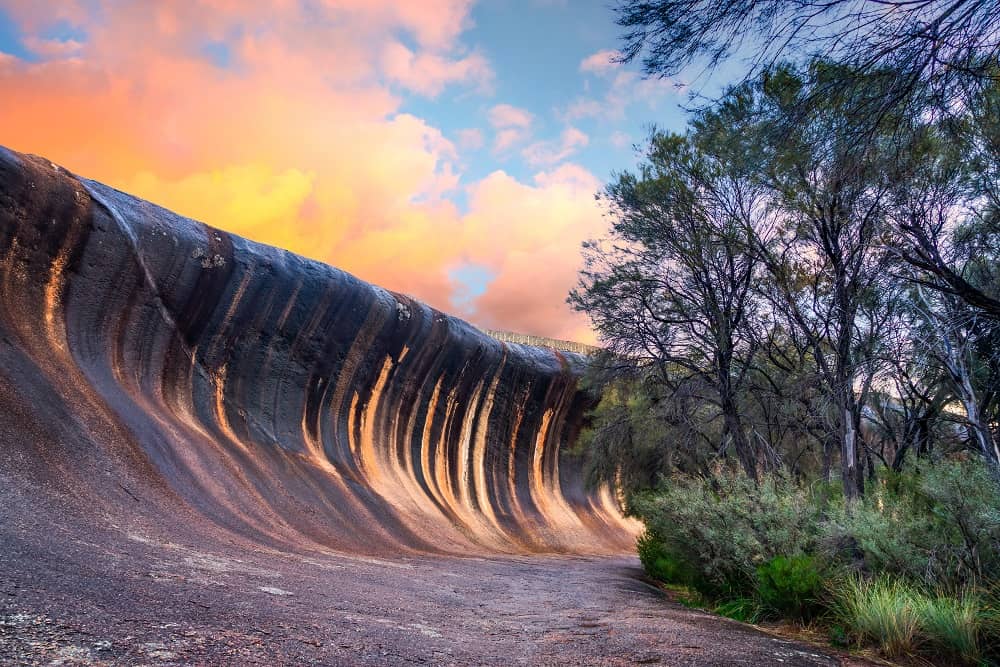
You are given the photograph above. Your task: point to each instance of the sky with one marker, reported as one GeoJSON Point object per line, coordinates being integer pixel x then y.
{"type": "Point", "coordinates": [446, 149]}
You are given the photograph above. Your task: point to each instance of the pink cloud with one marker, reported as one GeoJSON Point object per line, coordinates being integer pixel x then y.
{"type": "Point", "coordinates": [428, 73]}
{"type": "Point", "coordinates": [541, 226]}
{"type": "Point", "coordinates": [619, 139]}
{"type": "Point", "coordinates": [53, 48]}
{"type": "Point", "coordinates": [470, 138]}
{"type": "Point", "coordinates": [551, 152]}
{"type": "Point", "coordinates": [513, 126]}
{"type": "Point", "coordinates": [625, 89]}
{"type": "Point", "coordinates": [436, 24]}
{"type": "Point", "coordinates": [602, 62]}
{"type": "Point", "coordinates": [507, 139]}
{"type": "Point", "coordinates": [505, 115]}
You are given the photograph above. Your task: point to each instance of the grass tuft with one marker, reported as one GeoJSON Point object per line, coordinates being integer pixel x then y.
{"type": "Point", "coordinates": [884, 612]}
{"type": "Point", "coordinates": [954, 625]}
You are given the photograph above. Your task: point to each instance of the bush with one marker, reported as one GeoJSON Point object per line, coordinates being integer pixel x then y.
{"type": "Point", "coordinates": [775, 548]}
{"type": "Point", "coordinates": [658, 563]}
{"type": "Point", "coordinates": [719, 530]}
{"type": "Point", "coordinates": [790, 586]}
{"type": "Point", "coordinates": [881, 612]}
{"type": "Point", "coordinates": [939, 525]}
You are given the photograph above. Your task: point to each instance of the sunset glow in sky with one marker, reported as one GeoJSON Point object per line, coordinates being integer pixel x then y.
{"type": "Point", "coordinates": [442, 148]}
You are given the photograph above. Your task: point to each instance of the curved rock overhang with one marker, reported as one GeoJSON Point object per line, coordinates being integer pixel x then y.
{"type": "Point", "coordinates": [154, 369]}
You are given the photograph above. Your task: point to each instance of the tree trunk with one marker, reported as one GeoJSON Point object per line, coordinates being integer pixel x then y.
{"type": "Point", "coordinates": [733, 432]}
{"type": "Point", "coordinates": [850, 471]}
{"type": "Point", "coordinates": [982, 434]}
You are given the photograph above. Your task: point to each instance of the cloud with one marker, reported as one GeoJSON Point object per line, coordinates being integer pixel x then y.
{"type": "Point", "coordinates": [602, 62]}
{"type": "Point", "coordinates": [542, 225]}
{"type": "Point", "coordinates": [620, 139]}
{"type": "Point", "coordinates": [505, 115]}
{"type": "Point", "coordinates": [429, 73]}
{"type": "Point", "coordinates": [53, 48]}
{"type": "Point", "coordinates": [513, 126]}
{"type": "Point", "coordinates": [298, 138]}
{"type": "Point", "coordinates": [624, 89]}
{"type": "Point", "coordinates": [507, 139]}
{"type": "Point", "coordinates": [543, 153]}
{"type": "Point", "coordinates": [470, 138]}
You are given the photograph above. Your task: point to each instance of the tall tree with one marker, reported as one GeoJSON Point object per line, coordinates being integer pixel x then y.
{"type": "Point", "coordinates": [964, 343]}
{"type": "Point", "coordinates": [901, 58]}
{"type": "Point", "coordinates": [828, 263]}
{"type": "Point", "coordinates": [953, 175]}
{"type": "Point", "coordinates": [672, 288]}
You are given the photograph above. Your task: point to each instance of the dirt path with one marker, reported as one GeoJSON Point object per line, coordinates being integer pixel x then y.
{"type": "Point", "coordinates": [142, 601]}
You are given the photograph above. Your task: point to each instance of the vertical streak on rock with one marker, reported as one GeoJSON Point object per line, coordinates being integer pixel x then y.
{"type": "Point", "coordinates": [368, 459]}
{"type": "Point", "coordinates": [515, 431]}
{"type": "Point", "coordinates": [537, 481]}
{"type": "Point", "coordinates": [465, 447]}
{"type": "Point", "coordinates": [442, 471]}
{"type": "Point", "coordinates": [426, 466]}
{"type": "Point", "coordinates": [481, 491]}
{"type": "Point", "coordinates": [53, 300]}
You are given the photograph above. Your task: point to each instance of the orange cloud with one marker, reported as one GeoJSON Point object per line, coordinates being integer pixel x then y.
{"type": "Point", "coordinates": [541, 227]}
{"type": "Point", "coordinates": [301, 142]}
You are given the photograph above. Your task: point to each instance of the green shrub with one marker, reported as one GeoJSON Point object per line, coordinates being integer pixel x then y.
{"type": "Point", "coordinates": [790, 586]}
{"type": "Point", "coordinates": [720, 530]}
{"type": "Point", "coordinates": [658, 563]}
{"type": "Point", "coordinates": [938, 525]}
{"type": "Point", "coordinates": [649, 548]}
{"type": "Point", "coordinates": [954, 626]}
{"type": "Point", "coordinates": [883, 612]}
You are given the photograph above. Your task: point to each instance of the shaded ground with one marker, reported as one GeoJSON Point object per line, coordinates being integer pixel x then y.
{"type": "Point", "coordinates": [140, 600]}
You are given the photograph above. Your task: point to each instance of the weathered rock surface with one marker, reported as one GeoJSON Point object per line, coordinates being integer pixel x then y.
{"type": "Point", "coordinates": [152, 364]}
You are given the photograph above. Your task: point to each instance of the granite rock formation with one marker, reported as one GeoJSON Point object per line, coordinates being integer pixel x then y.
{"type": "Point", "coordinates": [156, 370]}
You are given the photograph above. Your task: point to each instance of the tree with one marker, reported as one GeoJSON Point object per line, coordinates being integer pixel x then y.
{"type": "Point", "coordinates": [909, 59]}
{"type": "Point", "coordinates": [671, 290]}
{"type": "Point", "coordinates": [909, 410]}
{"type": "Point", "coordinates": [953, 176]}
{"type": "Point", "coordinates": [941, 42]}
{"type": "Point", "coordinates": [963, 344]}
{"type": "Point", "coordinates": [827, 263]}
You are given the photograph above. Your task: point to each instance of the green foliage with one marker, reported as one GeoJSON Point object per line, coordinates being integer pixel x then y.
{"type": "Point", "coordinates": [902, 619]}
{"type": "Point", "coordinates": [723, 528]}
{"type": "Point", "coordinates": [790, 586]}
{"type": "Point", "coordinates": [839, 636]}
{"type": "Point", "coordinates": [912, 568]}
{"type": "Point", "coordinates": [625, 443]}
{"type": "Point", "coordinates": [939, 525]}
{"type": "Point", "coordinates": [659, 563]}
